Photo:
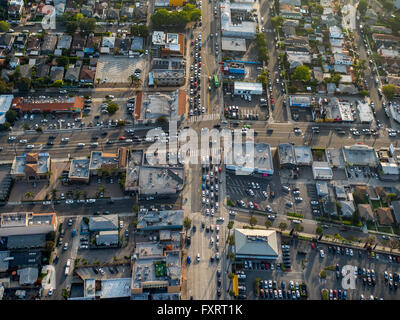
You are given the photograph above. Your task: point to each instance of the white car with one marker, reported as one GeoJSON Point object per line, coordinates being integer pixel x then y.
{"type": "Point", "coordinates": [46, 202]}
{"type": "Point", "coordinates": [198, 257]}
{"type": "Point", "coordinates": [50, 293]}
{"type": "Point", "coordinates": [69, 201]}
{"type": "Point", "coordinates": [23, 141]}
{"type": "Point", "coordinates": [90, 200]}
{"type": "Point", "coordinates": [30, 146]}
{"type": "Point", "coordinates": [321, 253]}
{"type": "Point", "coordinates": [220, 219]}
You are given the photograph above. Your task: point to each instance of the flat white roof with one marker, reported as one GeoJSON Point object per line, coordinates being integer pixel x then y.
{"type": "Point", "coordinates": [115, 288]}
{"type": "Point", "coordinates": [233, 44]}
{"type": "Point", "coordinates": [240, 85]}
{"type": "Point", "coordinates": [5, 102]}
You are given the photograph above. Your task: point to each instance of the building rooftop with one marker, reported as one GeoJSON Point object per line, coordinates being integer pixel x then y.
{"type": "Point", "coordinates": [322, 170]}
{"type": "Point", "coordinates": [26, 223]}
{"type": "Point", "coordinates": [79, 169]}
{"type": "Point", "coordinates": [256, 243]}
{"type": "Point", "coordinates": [4, 263]}
{"type": "Point", "coordinates": [385, 216]}
{"type": "Point", "coordinates": [366, 212]}
{"type": "Point", "coordinates": [250, 86]}
{"type": "Point", "coordinates": [157, 220]}
{"type": "Point", "coordinates": [57, 104]}
{"type": "Point", "coordinates": [303, 155]}
{"type": "Point", "coordinates": [158, 38]}
{"type": "Point", "coordinates": [365, 112]}
{"type": "Point", "coordinates": [157, 104]}
{"type": "Point", "coordinates": [322, 188]}
{"type": "Point", "coordinates": [31, 164]}
{"type": "Point", "coordinates": [28, 275]}
{"type": "Point", "coordinates": [103, 223]}
{"type": "Point", "coordinates": [286, 153]}
{"type": "Point", "coordinates": [360, 154]}
{"type": "Point", "coordinates": [160, 180]}
{"type": "Point", "coordinates": [100, 159]}
{"type": "Point", "coordinates": [233, 44]}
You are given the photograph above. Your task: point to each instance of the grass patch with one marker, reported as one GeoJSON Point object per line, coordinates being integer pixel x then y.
{"type": "Point", "coordinates": [330, 268]}
{"type": "Point", "coordinates": [384, 229]}
{"type": "Point", "coordinates": [160, 268]}
{"type": "Point", "coordinates": [376, 204]}
{"type": "Point", "coordinates": [294, 214]}
{"type": "Point", "coordinates": [305, 238]}
{"type": "Point", "coordinates": [371, 225]}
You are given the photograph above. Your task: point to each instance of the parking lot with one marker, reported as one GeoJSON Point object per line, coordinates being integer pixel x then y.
{"type": "Point", "coordinates": [307, 265]}
{"type": "Point", "coordinates": [295, 199]}
{"type": "Point", "coordinates": [239, 108]}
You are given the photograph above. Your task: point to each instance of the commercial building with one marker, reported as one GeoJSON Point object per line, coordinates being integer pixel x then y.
{"type": "Point", "coordinates": [322, 189]}
{"type": "Point", "coordinates": [233, 45]}
{"type": "Point", "coordinates": [31, 166]}
{"type": "Point", "coordinates": [103, 223]}
{"type": "Point", "coordinates": [156, 268]}
{"type": "Point", "coordinates": [107, 238]}
{"type": "Point", "coordinates": [49, 104]}
{"type": "Point", "coordinates": [152, 105]}
{"type": "Point", "coordinates": [247, 88]}
{"type": "Point", "coordinates": [365, 112]}
{"type": "Point", "coordinates": [134, 161]}
{"type": "Point", "coordinates": [255, 244]}
{"type": "Point", "coordinates": [26, 229]}
{"type": "Point", "coordinates": [167, 78]}
{"type": "Point", "coordinates": [389, 171]}
{"type": "Point", "coordinates": [239, 158]}
{"type": "Point", "coordinates": [286, 155]}
{"type": "Point", "coordinates": [5, 104]}
{"type": "Point", "coordinates": [300, 101]}
{"type": "Point", "coordinates": [117, 288]}
{"type": "Point", "coordinates": [232, 25]}
{"type": "Point", "coordinates": [79, 170]}
{"type": "Point", "coordinates": [160, 220]}
{"type": "Point", "coordinates": [303, 155]}
{"type": "Point", "coordinates": [322, 170]}
{"type": "Point", "coordinates": [160, 181]}
{"type": "Point", "coordinates": [360, 155]}
{"type": "Point", "coordinates": [168, 44]}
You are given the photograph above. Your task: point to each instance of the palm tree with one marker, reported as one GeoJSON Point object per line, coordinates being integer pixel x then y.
{"type": "Point", "coordinates": [230, 226]}
{"type": "Point", "coordinates": [187, 223]}
{"type": "Point", "coordinates": [29, 195]}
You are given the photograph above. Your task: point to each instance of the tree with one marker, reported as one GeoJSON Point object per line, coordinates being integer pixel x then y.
{"type": "Point", "coordinates": [136, 208]}
{"type": "Point", "coordinates": [268, 224]}
{"type": "Point", "coordinates": [356, 218]}
{"type": "Point", "coordinates": [162, 119]}
{"type": "Point", "coordinates": [319, 230]}
{"type": "Point", "coordinates": [362, 6]}
{"type": "Point", "coordinates": [277, 21]}
{"type": "Point", "coordinates": [5, 126]}
{"type": "Point", "coordinates": [11, 115]}
{"type": "Point", "coordinates": [112, 108]}
{"type": "Point", "coordinates": [62, 61]}
{"type": "Point", "coordinates": [283, 226]}
{"type": "Point", "coordinates": [230, 275]}
{"type": "Point", "coordinates": [389, 90]}
{"type": "Point", "coordinates": [253, 221]}
{"type": "Point", "coordinates": [23, 84]}
{"type": "Point", "coordinates": [29, 195]}
{"type": "Point", "coordinates": [187, 223]}
{"type": "Point", "coordinates": [4, 26]}
{"type": "Point", "coordinates": [58, 83]}
{"type": "Point", "coordinates": [87, 25]}
{"type": "Point", "coordinates": [3, 86]}
{"type": "Point", "coordinates": [65, 293]}
{"type": "Point", "coordinates": [71, 27]}
{"type": "Point", "coordinates": [302, 73]}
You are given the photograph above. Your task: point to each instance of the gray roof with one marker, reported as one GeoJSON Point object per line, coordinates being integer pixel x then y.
{"type": "Point", "coordinates": [360, 155]}
{"type": "Point", "coordinates": [49, 43]}
{"type": "Point", "coordinates": [72, 74]}
{"type": "Point", "coordinates": [26, 258]}
{"type": "Point", "coordinates": [27, 241]}
{"type": "Point", "coordinates": [256, 243]}
{"type": "Point", "coordinates": [107, 237]}
{"type": "Point", "coordinates": [396, 210]}
{"type": "Point", "coordinates": [103, 223]}
{"type": "Point", "coordinates": [286, 154]}
{"type": "Point", "coordinates": [28, 275]}
{"type": "Point", "coordinates": [347, 208]}
{"type": "Point", "coordinates": [322, 188]}
{"type": "Point", "coordinates": [137, 43]}
{"type": "Point", "coordinates": [340, 192]}
{"type": "Point", "coordinates": [4, 264]}
{"type": "Point", "coordinates": [303, 155]}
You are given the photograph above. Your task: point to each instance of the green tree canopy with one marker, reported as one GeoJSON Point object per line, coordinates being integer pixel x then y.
{"type": "Point", "coordinates": [23, 84]}
{"type": "Point", "coordinates": [71, 27]}
{"type": "Point", "coordinates": [253, 221]}
{"type": "Point", "coordinates": [302, 73]}
{"type": "Point", "coordinates": [283, 226]}
{"type": "Point", "coordinates": [277, 21]}
{"type": "Point", "coordinates": [11, 115]}
{"type": "Point", "coordinates": [4, 26]}
{"type": "Point", "coordinates": [112, 108]}
{"type": "Point", "coordinates": [362, 6]}
{"type": "Point", "coordinates": [389, 90]}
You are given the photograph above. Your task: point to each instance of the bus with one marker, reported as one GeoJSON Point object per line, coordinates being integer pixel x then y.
{"type": "Point", "coordinates": [216, 83]}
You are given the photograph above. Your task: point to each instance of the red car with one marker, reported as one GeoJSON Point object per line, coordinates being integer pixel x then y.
{"type": "Point", "coordinates": [312, 245]}
{"type": "Point", "coordinates": [199, 64]}
{"type": "Point", "coordinates": [122, 138]}
{"type": "Point", "coordinates": [255, 205]}
{"type": "Point", "coordinates": [195, 84]}
{"type": "Point", "coordinates": [266, 266]}
{"type": "Point", "coordinates": [219, 169]}
{"type": "Point", "coordinates": [272, 100]}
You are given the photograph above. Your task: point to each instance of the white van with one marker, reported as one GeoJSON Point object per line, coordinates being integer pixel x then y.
{"type": "Point", "coordinates": [66, 271]}
{"type": "Point", "coordinates": [296, 221]}
{"type": "Point", "coordinates": [68, 262]}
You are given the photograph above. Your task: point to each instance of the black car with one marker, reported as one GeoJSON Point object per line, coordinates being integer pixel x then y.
{"type": "Point", "coordinates": [218, 273]}
{"type": "Point", "coordinates": [242, 297]}
{"type": "Point", "coordinates": [52, 137]}
{"type": "Point", "coordinates": [95, 270]}
{"type": "Point", "coordinates": [50, 143]}
{"type": "Point", "coordinates": [219, 292]}
{"type": "Point", "coordinates": [219, 282]}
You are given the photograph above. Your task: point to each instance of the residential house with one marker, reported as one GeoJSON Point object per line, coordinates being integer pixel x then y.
{"type": "Point", "coordinates": [108, 42]}
{"type": "Point", "coordinates": [290, 12]}
{"type": "Point", "coordinates": [42, 70]}
{"type": "Point", "coordinates": [56, 73]}
{"type": "Point", "coordinates": [371, 16]}
{"type": "Point", "coordinates": [290, 23]}
{"type": "Point", "coordinates": [385, 216]}
{"type": "Point", "coordinates": [92, 44]}
{"type": "Point", "coordinates": [298, 41]}
{"type": "Point", "coordinates": [123, 45]}
{"type": "Point", "coordinates": [64, 42]}
{"type": "Point", "coordinates": [14, 62]}
{"type": "Point", "coordinates": [127, 12]}
{"type": "Point", "coordinates": [6, 41]}
{"type": "Point", "coordinates": [296, 3]}
{"type": "Point", "coordinates": [341, 58]}
{"type": "Point", "coordinates": [385, 40]}
{"type": "Point", "coordinates": [73, 73]}
{"type": "Point", "coordinates": [113, 14]}
{"type": "Point", "coordinates": [20, 41]}
{"type": "Point", "coordinates": [87, 75]}
{"type": "Point", "coordinates": [347, 208]}
{"type": "Point", "coordinates": [366, 212]}
{"type": "Point", "coordinates": [347, 89]}
{"type": "Point", "coordinates": [395, 205]}
{"type": "Point", "coordinates": [296, 59]}
{"type": "Point", "coordinates": [49, 44]}
{"type": "Point", "coordinates": [25, 70]}
{"type": "Point", "coordinates": [87, 11]}
{"type": "Point", "coordinates": [289, 31]}
{"type": "Point", "coordinates": [33, 46]}
{"type": "Point", "coordinates": [78, 42]}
